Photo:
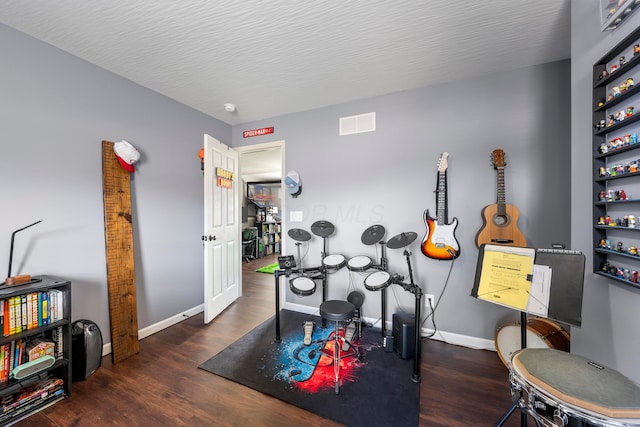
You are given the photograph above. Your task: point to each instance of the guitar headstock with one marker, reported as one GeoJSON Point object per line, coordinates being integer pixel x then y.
{"type": "Point", "coordinates": [497, 156]}
{"type": "Point", "coordinates": [442, 162]}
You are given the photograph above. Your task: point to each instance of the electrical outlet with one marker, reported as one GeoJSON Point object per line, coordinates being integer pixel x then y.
{"type": "Point", "coordinates": [429, 301]}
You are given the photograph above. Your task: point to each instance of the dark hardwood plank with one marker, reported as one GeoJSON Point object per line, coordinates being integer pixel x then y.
{"type": "Point", "coordinates": [162, 386]}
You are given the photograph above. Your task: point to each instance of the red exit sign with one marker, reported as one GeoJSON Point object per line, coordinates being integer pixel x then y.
{"type": "Point", "coordinates": [257, 132]}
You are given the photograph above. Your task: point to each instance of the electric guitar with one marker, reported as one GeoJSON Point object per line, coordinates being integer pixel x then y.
{"type": "Point", "coordinates": [440, 241]}
{"type": "Point", "coordinates": [500, 220]}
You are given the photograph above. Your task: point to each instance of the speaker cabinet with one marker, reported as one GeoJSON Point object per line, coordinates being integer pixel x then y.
{"type": "Point", "coordinates": [404, 335]}
{"type": "Point", "coordinates": [86, 349]}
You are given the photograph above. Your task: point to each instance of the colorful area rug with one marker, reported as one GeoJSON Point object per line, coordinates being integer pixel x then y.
{"type": "Point", "coordinates": [375, 387]}
{"type": "Point", "coordinates": [268, 268]}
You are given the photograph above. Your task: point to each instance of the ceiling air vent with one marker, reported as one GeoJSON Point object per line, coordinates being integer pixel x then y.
{"type": "Point", "coordinates": [358, 124]}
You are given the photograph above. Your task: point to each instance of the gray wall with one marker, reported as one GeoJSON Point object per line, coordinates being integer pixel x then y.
{"type": "Point", "coordinates": [388, 177]}
{"type": "Point", "coordinates": [609, 332]}
{"type": "Point", "coordinates": [55, 110]}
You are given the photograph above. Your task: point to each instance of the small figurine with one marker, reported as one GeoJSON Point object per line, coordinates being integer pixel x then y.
{"type": "Point", "coordinates": [621, 195]}
{"type": "Point", "coordinates": [619, 247]}
{"type": "Point", "coordinates": [636, 49]}
{"type": "Point", "coordinates": [620, 169]}
{"type": "Point", "coordinates": [603, 74]}
{"type": "Point", "coordinates": [616, 91]}
{"type": "Point", "coordinates": [602, 197]}
{"type": "Point", "coordinates": [604, 267]}
{"type": "Point", "coordinates": [600, 125]}
{"type": "Point", "coordinates": [630, 110]}
{"type": "Point", "coordinates": [620, 273]}
{"type": "Point", "coordinates": [634, 276]}
{"type": "Point", "coordinates": [607, 244]}
{"type": "Point", "coordinates": [622, 60]}
{"type": "Point", "coordinates": [634, 138]}
{"type": "Point", "coordinates": [623, 86]}
{"type": "Point", "coordinates": [612, 120]}
{"type": "Point", "coordinates": [633, 166]}
{"type": "Point", "coordinates": [614, 67]}
{"type": "Point", "coordinates": [633, 250]}
{"type": "Point", "coordinates": [630, 83]}
{"type": "Point", "coordinates": [632, 222]}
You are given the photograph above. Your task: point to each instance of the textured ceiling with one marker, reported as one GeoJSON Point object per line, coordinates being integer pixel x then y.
{"type": "Point", "coordinates": [276, 57]}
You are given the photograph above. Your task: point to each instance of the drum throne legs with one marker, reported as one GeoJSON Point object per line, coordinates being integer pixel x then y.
{"type": "Point", "coordinates": [341, 313]}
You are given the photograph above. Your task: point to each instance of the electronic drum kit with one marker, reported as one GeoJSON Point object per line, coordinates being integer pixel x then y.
{"type": "Point", "coordinates": [303, 284]}
{"type": "Point", "coordinates": [378, 280]}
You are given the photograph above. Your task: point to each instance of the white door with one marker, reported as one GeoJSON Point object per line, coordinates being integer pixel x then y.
{"type": "Point", "coordinates": [222, 243]}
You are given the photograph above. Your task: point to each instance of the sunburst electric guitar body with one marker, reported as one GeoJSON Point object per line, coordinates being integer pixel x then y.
{"type": "Point", "coordinates": [500, 220]}
{"type": "Point", "coordinates": [440, 241]}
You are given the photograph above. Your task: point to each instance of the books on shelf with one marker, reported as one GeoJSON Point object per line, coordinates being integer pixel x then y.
{"type": "Point", "coordinates": [30, 311]}
{"type": "Point", "coordinates": [46, 390]}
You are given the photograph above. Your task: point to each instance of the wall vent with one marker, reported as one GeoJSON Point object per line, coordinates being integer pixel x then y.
{"type": "Point", "coordinates": [358, 124]}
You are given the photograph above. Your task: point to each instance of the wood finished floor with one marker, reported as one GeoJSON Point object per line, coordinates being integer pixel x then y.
{"type": "Point", "coordinates": [162, 385]}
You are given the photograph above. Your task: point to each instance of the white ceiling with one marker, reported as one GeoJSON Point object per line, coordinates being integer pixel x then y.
{"type": "Point", "coordinates": [260, 166]}
{"type": "Point", "coordinates": [277, 57]}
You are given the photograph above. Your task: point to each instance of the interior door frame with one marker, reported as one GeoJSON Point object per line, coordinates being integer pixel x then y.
{"type": "Point", "coordinates": [261, 147]}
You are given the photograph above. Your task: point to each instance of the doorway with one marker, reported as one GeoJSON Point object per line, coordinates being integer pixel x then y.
{"type": "Point", "coordinates": [260, 163]}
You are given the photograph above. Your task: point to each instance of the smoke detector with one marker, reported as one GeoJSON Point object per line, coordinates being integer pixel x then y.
{"type": "Point", "coordinates": [230, 107]}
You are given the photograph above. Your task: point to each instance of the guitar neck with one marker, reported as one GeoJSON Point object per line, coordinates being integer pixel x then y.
{"type": "Point", "coordinates": [502, 198]}
{"type": "Point", "coordinates": [441, 198]}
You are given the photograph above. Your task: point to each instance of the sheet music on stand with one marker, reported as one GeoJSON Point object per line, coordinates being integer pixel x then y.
{"type": "Point", "coordinates": [541, 282]}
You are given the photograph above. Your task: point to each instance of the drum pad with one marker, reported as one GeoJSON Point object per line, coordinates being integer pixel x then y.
{"type": "Point", "coordinates": [579, 382]}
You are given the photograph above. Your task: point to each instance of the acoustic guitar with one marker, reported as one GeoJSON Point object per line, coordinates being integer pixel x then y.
{"type": "Point", "coordinates": [500, 220]}
{"type": "Point", "coordinates": [440, 241]}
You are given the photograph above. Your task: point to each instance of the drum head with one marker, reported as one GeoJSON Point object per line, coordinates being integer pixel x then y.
{"type": "Point", "coordinates": [377, 281]}
{"type": "Point", "coordinates": [302, 286]}
{"type": "Point", "coordinates": [373, 235]}
{"type": "Point", "coordinates": [334, 261]}
{"type": "Point", "coordinates": [508, 341]}
{"type": "Point", "coordinates": [359, 263]}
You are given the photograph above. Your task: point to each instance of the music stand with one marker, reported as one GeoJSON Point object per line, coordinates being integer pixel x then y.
{"type": "Point", "coordinates": [544, 282]}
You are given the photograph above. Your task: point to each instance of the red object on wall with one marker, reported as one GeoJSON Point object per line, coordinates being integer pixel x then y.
{"type": "Point", "coordinates": [257, 132]}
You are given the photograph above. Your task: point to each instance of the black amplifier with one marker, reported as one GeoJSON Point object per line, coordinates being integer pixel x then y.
{"type": "Point", "coordinates": [404, 335]}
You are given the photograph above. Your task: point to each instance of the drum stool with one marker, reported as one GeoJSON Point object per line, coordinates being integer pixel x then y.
{"type": "Point", "coordinates": [340, 312]}
{"type": "Point", "coordinates": [561, 387]}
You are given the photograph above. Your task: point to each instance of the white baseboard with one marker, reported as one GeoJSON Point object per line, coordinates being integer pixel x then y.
{"type": "Point", "coordinates": [163, 324]}
{"type": "Point", "coordinates": [448, 337]}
